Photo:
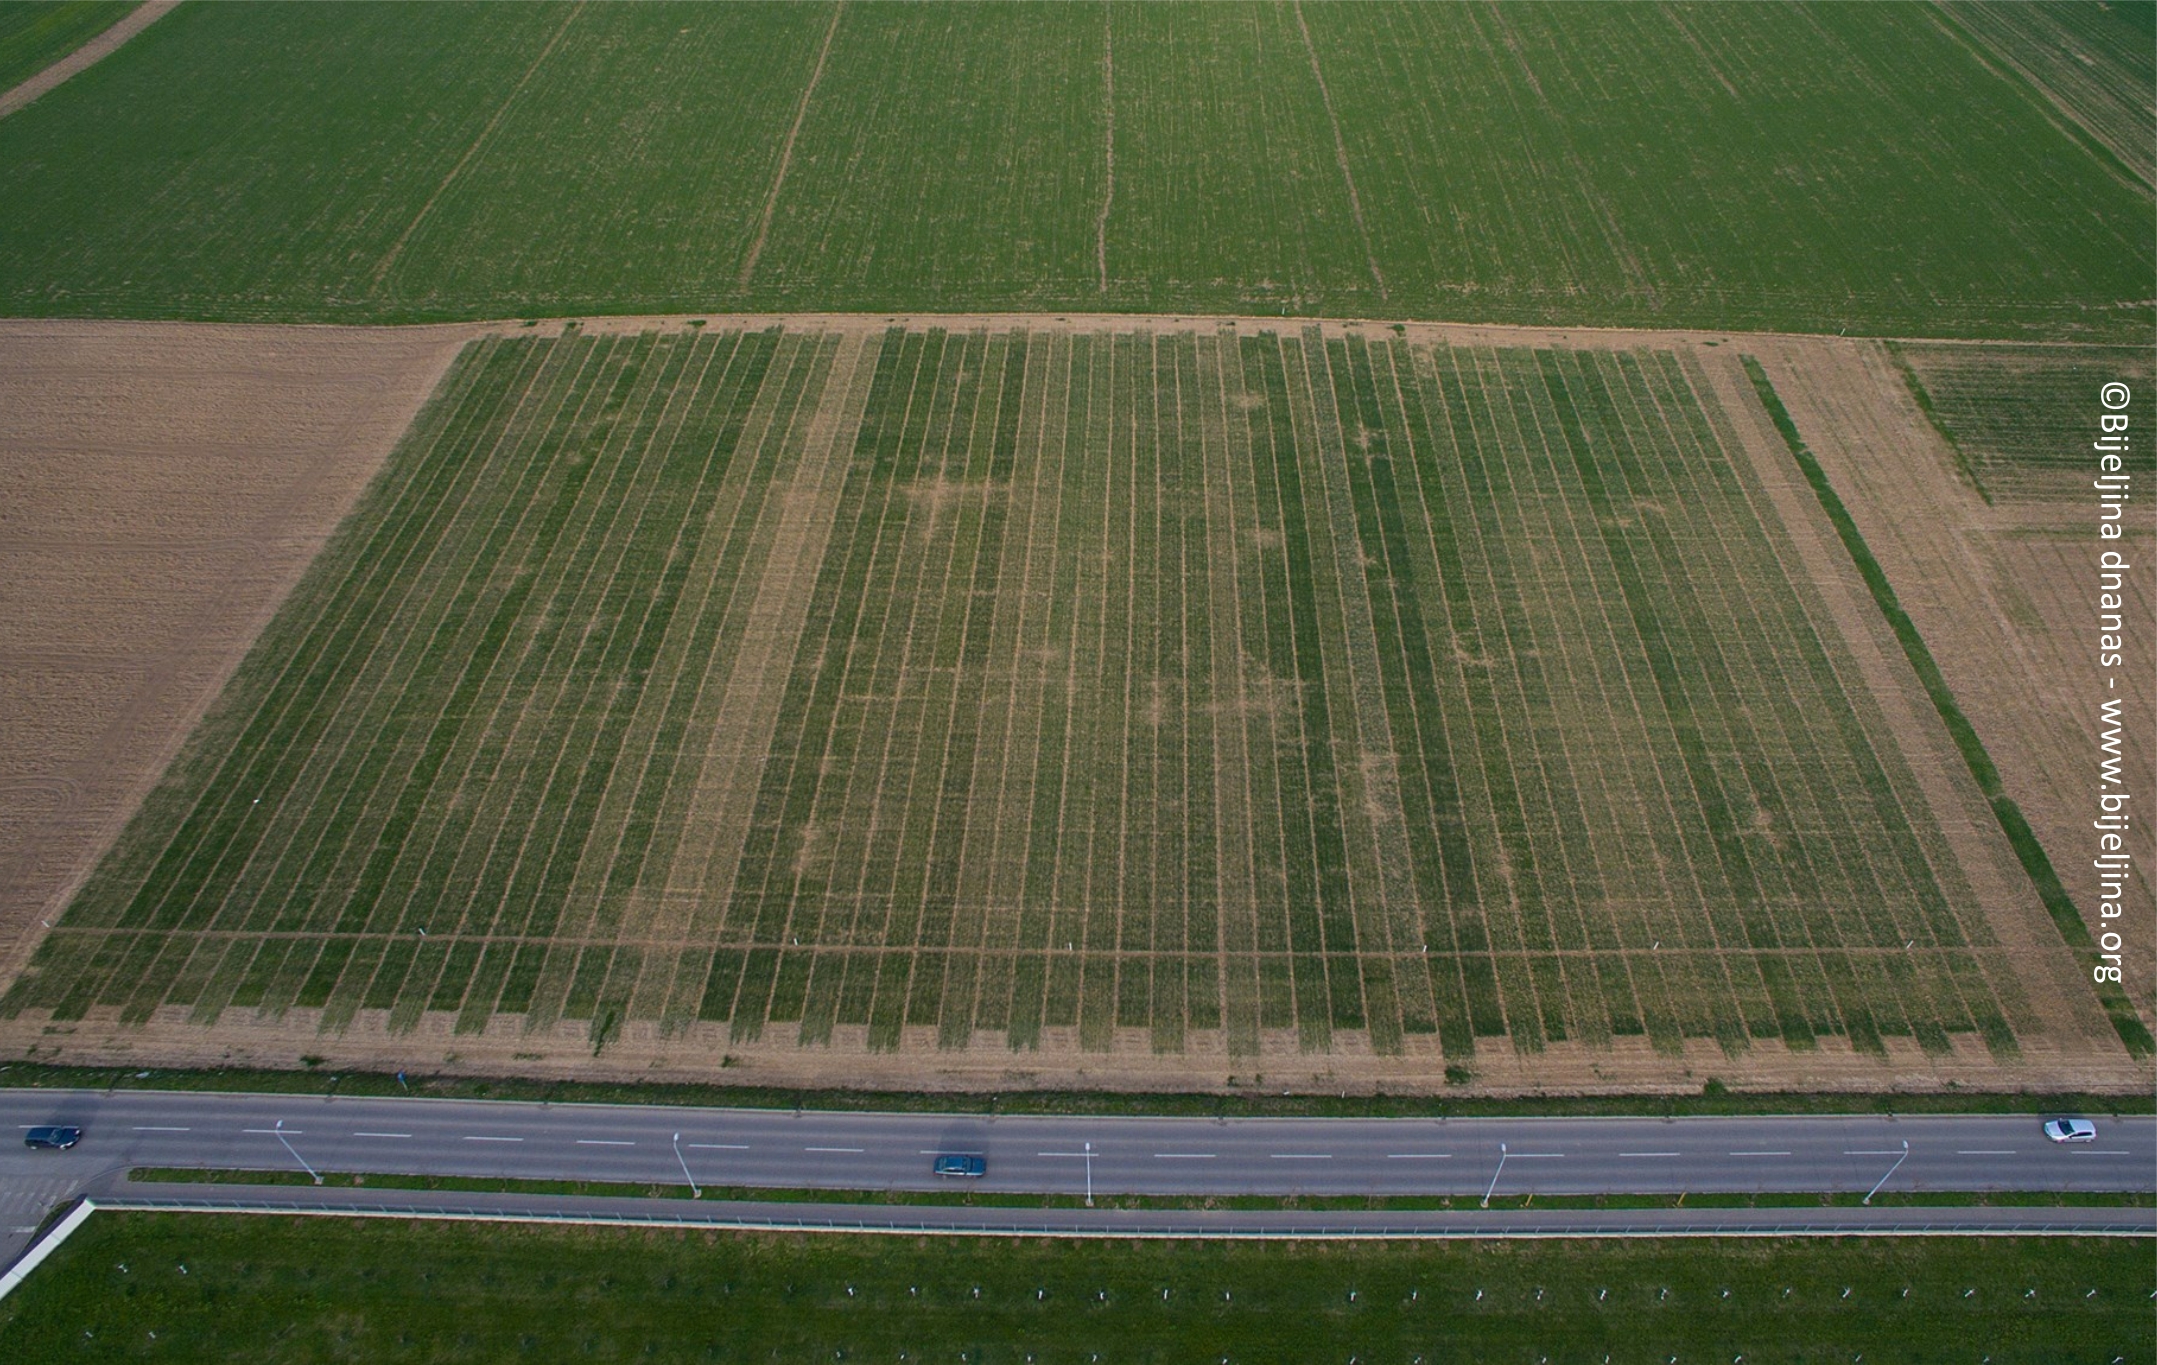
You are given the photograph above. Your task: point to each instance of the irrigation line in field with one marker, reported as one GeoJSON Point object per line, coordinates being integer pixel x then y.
{"type": "Point", "coordinates": [425, 209]}
{"type": "Point", "coordinates": [1340, 152]}
{"type": "Point", "coordinates": [1108, 103]}
{"type": "Point", "coordinates": [786, 152]}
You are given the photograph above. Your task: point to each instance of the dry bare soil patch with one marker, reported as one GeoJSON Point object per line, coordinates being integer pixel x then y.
{"type": "Point", "coordinates": [974, 701]}
{"type": "Point", "coordinates": [161, 489]}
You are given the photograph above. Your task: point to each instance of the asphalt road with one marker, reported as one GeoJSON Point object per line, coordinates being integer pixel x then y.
{"type": "Point", "coordinates": [1180, 1156]}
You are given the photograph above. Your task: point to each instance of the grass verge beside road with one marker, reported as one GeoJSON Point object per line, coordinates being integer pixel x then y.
{"type": "Point", "coordinates": [1712, 1099]}
{"type": "Point", "coordinates": [963, 1198]}
{"type": "Point", "coordinates": [189, 1287]}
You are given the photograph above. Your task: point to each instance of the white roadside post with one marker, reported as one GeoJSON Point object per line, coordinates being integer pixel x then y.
{"type": "Point", "coordinates": [694, 1192]}
{"type": "Point", "coordinates": [280, 1131]}
{"type": "Point", "coordinates": [1890, 1171]}
{"type": "Point", "coordinates": [1494, 1176]}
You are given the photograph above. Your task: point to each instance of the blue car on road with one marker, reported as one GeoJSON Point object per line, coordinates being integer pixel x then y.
{"type": "Point", "coordinates": [55, 1138]}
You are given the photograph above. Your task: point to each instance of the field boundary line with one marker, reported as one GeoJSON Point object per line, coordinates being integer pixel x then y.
{"type": "Point", "coordinates": [1108, 104]}
{"type": "Point", "coordinates": [81, 59]}
{"type": "Point", "coordinates": [786, 152]}
{"type": "Point", "coordinates": [397, 249]}
{"type": "Point", "coordinates": [1340, 153]}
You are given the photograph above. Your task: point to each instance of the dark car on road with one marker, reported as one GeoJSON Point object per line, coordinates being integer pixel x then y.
{"type": "Point", "coordinates": [962, 1164]}
{"type": "Point", "coordinates": [53, 1138]}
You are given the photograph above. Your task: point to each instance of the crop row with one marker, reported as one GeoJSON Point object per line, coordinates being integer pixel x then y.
{"type": "Point", "coordinates": [2019, 419]}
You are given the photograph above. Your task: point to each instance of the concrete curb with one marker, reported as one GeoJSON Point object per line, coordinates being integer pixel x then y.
{"type": "Point", "coordinates": [1151, 1225]}
{"type": "Point", "coordinates": [46, 1245]}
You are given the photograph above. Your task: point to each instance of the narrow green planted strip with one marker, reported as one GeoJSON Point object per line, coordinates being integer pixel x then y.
{"type": "Point", "coordinates": [2013, 824]}
{"type": "Point", "coordinates": [1923, 399]}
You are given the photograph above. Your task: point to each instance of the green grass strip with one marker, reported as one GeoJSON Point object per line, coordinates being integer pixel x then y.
{"type": "Point", "coordinates": [1264, 1203]}
{"type": "Point", "coordinates": [2012, 822]}
{"type": "Point", "coordinates": [324, 1289]}
{"type": "Point", "coordinates": [1250, 1095]}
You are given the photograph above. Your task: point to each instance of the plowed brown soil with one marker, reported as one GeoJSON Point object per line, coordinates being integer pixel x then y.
{"type": "Point", "coordinates": [161, 489]}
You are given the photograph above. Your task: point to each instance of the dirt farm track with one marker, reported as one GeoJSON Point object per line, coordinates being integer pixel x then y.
{"type": "Point", "coordinates": [164, 487]}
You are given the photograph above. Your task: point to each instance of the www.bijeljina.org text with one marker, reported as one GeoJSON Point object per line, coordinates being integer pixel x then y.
{"type": "Point", "coordinates": [2114, 862]}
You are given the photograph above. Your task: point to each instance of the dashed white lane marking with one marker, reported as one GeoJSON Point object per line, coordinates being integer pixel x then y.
{"type": "Point", "coordinates": [1419, 1156]}
{"type": "Point", "coordinates": [2104, 1153]}
{"type": "Point", "coordinates": [604, 1142]}
{"type": "Point", "coordinates": [159, 1128]}
{"type": "Point", "coordinates": [1768, 1154]}
{"type": "Point", "coordinates": [493, 1139]}
{"type": "Point", "coordinates": [1648, 1154]}
{"type": "Point", "coordinates": [718, 1146]}
{"type": "Point", "coordinates": [1066, 1153]}
{"type": "Point", "coordinates": [1183, 1156]}
{"type": "Point", "coordinates": [854, 1151]}
{"type": "Point", "coordinates": [1302, 1156]}
{"type": "Point", "coordinates": [1986, 1151]}
{"type": "Point", "coordinates": [1892, 1151]}
{"type": "Point", "coordinates": [1534, 1156]}
{"type": "Point", "coordinates": [383, 1135]}
{"type": "Point", "coordinates": [273, 1132]}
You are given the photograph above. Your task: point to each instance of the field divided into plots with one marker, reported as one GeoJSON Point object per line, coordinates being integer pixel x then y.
{"type": "Point", "coordinates": [1859, 168]}
{"type": "Point", "coordinates": [1049, 687]}
{"type": "Point", "coordinates": [2020, 419]}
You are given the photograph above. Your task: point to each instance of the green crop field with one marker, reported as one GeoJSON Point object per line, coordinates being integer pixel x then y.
{"type": "Point", "coordinates": [2020, 419]}
{"type": "Point", "coordinates": [1867, 168]}
{"type": "Point", "coordinates": [190, 1287]}
{"type": "Point", "coordinates": [1022, 679]}
{"type": "Point", "coordinates": [2097, 63]}
{"type": "Point", "coordinates": [35, 34]}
